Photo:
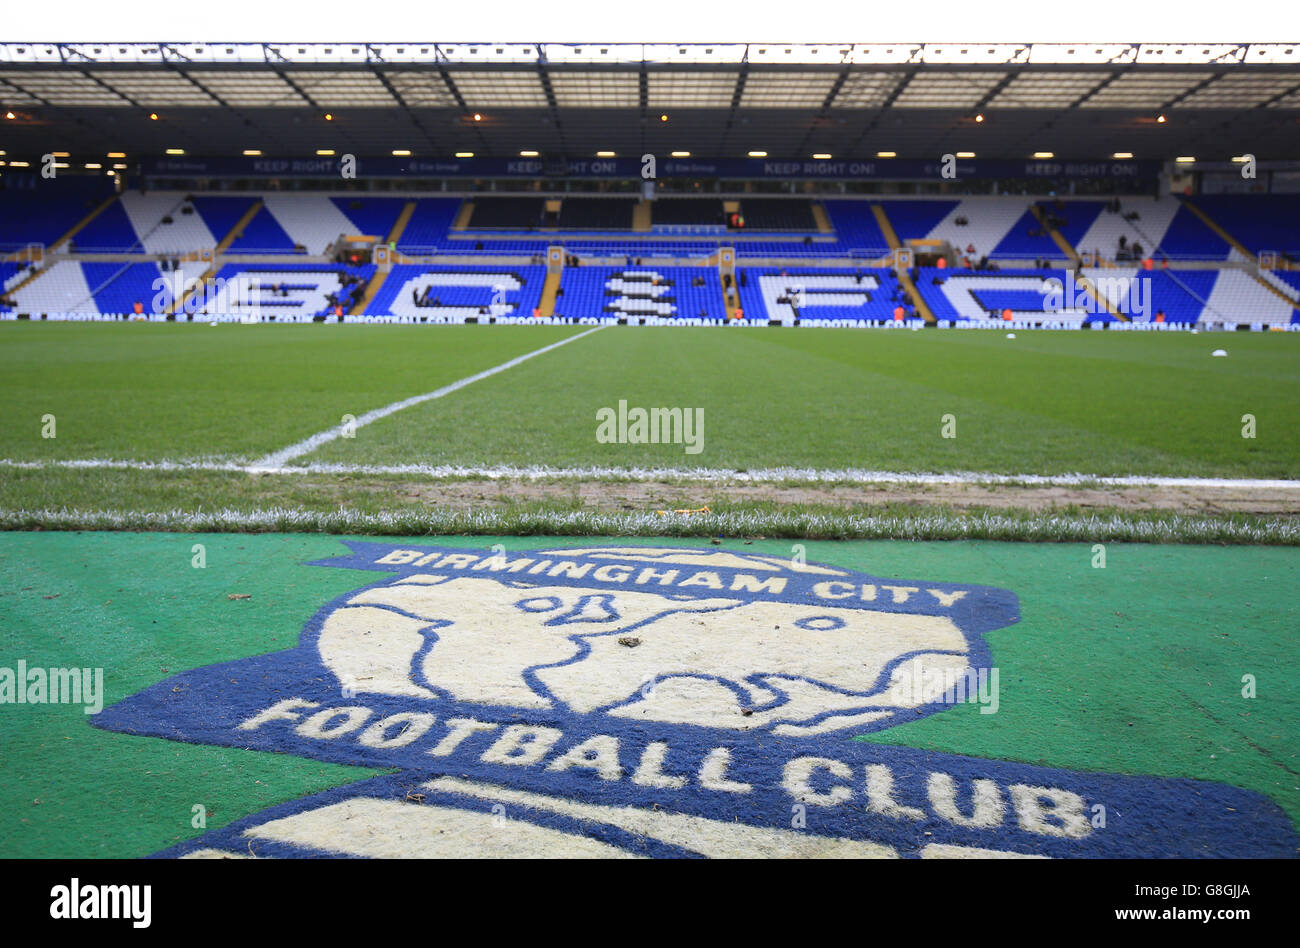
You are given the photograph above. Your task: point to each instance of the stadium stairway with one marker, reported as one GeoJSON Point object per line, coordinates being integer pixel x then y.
{"type": "Point", "coordinates": [641, 217]}
{"type": "Point", "coordinates": [399, 227]}
{"type": "Point", "coordinates": [1239, 296]}
{"type": "Point", "coordinates": [1239, 291]}
{"type": "Point", "coordinates": [234, 234]}
{"type": "Point", "coordinates": [822, 218]}
{"type": "Point", "coordinates": [66, 238]}
{"type": "Point", "coordinates": [1073, 256]}
{"type": "Point", "coordinates": [371, 291]}
{"type": "Point", "coordinates": [22, 284]}
{"type": "Point", "coordinates": [551, 288]}
{"type": "Point", "coordinates": [904, 278]}
{"type": "Point", "coordinates": [1223, 234]}
{"type": "Point", "coordinates": [462, 216]}
{"type": "Point", "coordinates": [238, 230]}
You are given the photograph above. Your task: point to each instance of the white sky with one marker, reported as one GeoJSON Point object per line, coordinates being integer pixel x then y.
{"type": "Point", "coordinates": [654, 21]}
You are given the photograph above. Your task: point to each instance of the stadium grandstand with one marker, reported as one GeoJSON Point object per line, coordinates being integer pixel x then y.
{"type": "Point", "coordinates": [1040, 185]}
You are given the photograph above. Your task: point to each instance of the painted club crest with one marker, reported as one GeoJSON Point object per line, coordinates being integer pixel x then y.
{"type": "Point", "coordinates": [655, 701]}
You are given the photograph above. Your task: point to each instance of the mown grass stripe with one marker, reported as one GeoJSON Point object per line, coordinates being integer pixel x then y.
{"type": "Point", "coordinates": [307, 445]}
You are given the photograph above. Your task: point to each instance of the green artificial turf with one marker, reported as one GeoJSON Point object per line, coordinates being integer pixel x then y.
{"type": "Point", "coordinates": [1136, 668]}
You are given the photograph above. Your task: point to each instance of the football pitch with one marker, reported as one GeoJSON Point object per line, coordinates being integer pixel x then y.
{"type": "Point", "coordinates": [140, 419]}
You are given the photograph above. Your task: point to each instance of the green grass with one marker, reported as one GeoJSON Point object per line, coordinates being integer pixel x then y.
{"type": "Point", "coordinates": [1093, 403]}
{"type": "Point", "coordinates": [232, 501]}
{"type": "Point", "coordinates": [144, 392]}
{"type": "Point", "coordinates": [1045, 403]}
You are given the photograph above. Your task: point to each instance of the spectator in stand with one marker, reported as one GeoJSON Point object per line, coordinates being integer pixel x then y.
{"type": "Point", "coordinates": [1160, 315]}
{"type": "Point", "coordinates": [138, 308]}
{"type": "Point", "coordinates": [1007, 315]}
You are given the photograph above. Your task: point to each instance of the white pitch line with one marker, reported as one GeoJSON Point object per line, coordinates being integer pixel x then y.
{"type": "Point", "coordinates": [279, 458]}
{"type": "Point", "coordinates": [700, 475]}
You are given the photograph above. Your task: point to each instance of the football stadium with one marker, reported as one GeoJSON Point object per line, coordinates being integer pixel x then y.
{"type": "Point", "coordinates": [571, 450]}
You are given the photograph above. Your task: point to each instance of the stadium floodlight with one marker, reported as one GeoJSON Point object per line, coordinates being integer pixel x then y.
{"type": "Point", "coordinates": [1122, 154]}
{"type": "Point", "coordinates": [886, 154]}
{"type": "Point", "coordinates": [1160, 120]}
{"type": "Point", "coordinates": [252, 153]}
{"type": "Point", "coordinates": [401, 153]}
{"type": "Point", "coordinates": [605, 154]}
{"type": "Point", "coordinates": [681, 154]}
{"type": "Point", "coordinates": [965, 154]}
{"type": "Point", "coordinates": [1044, 154]}
{"type": "Point", "coordinates": [325, 152]}
{"type": "Point", "coordinates": [10, 115]}
{"type": "Point", "coordinates": [1240, 159]}
{"type": "Point", "coordinates": [93, 165]}
{"type": "Point", "coordinates": [1185, 159]}
{"type": "Point", "coordinates": [153, 116]}
{"type": "Point", "coordinates": [758, 154]}
{"type": "Point", "coordinates": [111, 154]}
{"type": "Point", "coordinates": [175, 151]}
{"type": "Point", "coordinates": [528, 154]}
{"type": "Point", "coordinates": [464, 154]}
{"type": "Point", "coordinates": [20, 164]}
{"type": "Point", "coordinates": [822, 156]}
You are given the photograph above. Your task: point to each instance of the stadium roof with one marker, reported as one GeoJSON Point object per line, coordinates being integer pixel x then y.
{"type": "Point", "coordinates": [719, 100]}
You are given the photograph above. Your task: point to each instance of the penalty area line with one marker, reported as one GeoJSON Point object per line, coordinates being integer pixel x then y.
{"type": "Point", "coordinates": [278, 459]}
